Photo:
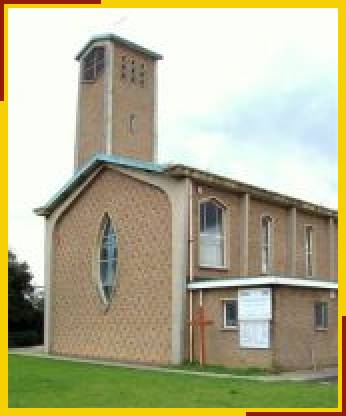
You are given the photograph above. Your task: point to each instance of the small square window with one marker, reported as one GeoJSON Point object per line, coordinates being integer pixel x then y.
{"type": "Point", "coordinates": [321, 315]}
{"type": "Point", "coordinates": [230, 313]}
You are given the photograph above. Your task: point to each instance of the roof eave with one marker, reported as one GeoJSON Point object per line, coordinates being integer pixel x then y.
{"type": "Point", "coordinates": [117, 39]}
{"type": "Point", "coordinates": [178, 170]}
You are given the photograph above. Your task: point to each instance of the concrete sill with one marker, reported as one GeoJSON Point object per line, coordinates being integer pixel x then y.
{"type": "Point", "coordinates": [235, 328]}
{"type": "Point", "coordinates": [225, 268]}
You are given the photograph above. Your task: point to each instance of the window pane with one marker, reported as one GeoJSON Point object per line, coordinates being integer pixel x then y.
{"type": "Point", "coordinates": [210, 217]}
{"type": "Point", "coordinates": [321, 315]}
{"type": "Point", "coordinates": [231, 317]}
{"type": "Point", "coordinates": [211, 234]}
{"type": "Point", "coordinates": [108, 259]}
{"type": "Point", "coordinates": [266, 243]}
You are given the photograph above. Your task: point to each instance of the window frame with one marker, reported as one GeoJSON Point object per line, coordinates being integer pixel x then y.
{"type": "Point", "coordinates": [309, 253]}
{"type": "Point", "coordinates": [223, 234]}
{"type": "Point", "coordinates": [324, 315]}
{"type": "Point", "coordinates": [269, 245]}
{"type": "Point", "coordinates": [95, 61]}
{"type": "Point", "coordinates": [224, 314]}
{"type": "Point", "coordinates": [97, 261]}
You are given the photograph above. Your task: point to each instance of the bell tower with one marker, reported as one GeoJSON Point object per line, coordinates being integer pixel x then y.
{"type": "Point", "coordinates": [117, 100]}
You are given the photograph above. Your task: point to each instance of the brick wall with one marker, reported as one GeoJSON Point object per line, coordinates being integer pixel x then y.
{"type": "Point", "coordinates": [91, 125]}
{"type": "Point", "coordinates": [232, 204]}
{"type": "Point", "coordinates": [222, 345]}
{"type": "Point", "coordinates": [131, 98]}
{"type": "Point", "coordinates": [296, 342]}
{"type": "Point", "coordinates": [281, 235]}
{"type": "Point", "coordinates": [137, 326]}
{"type": "Point", "coordinates": [320, 228]}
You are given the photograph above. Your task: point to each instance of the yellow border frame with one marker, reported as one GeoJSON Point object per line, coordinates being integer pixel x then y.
{"type": "Point", "coordinates": [341, 6]}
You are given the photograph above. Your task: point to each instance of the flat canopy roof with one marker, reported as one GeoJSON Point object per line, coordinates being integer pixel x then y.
{"type": "Point", "coordinates": [214, 283]}
{"type": "Point", "coordinates": [117, 39]}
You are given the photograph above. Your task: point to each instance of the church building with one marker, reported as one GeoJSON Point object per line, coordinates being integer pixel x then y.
{"type": "Point", "coordinates": [165, 263]}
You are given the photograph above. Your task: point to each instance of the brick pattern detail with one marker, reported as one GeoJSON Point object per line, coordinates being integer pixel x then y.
{"type": "Point", "coordinates": [92, 134]}
{"type": "Point", "coordinates": [280, 231]}
{"type": "Point", "coordinates": [222, 346]}
{"type": "Point", "coordinates": [232, 224]}
{"type": "Point", "coordinates": [320, 244]}
{"type": "Point", "coordinates": [296, 341]}
{"type": "Point", "coordinates": [281, 237]}
{"type": "Point", "coordinates": [137, 326]}
{"type": "Point", "coordinates": [131, 98]}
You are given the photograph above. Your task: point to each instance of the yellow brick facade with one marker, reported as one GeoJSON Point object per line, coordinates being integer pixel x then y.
{"type": "Point", "coordinates": [137, 326]}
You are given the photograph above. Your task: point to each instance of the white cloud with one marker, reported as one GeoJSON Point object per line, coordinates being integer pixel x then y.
{"type": "Point", "coordinates": [215, 60]}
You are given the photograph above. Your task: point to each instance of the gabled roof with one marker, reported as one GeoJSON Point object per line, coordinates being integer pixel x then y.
{"type": "Point", "coordinates": [181, 171]}
{"type": "Point", "coordinates": [212, 179]}
{"type": "Point", "coordinates": [117, 39]}
{"type": "Point", "coordinates": [97, 160]}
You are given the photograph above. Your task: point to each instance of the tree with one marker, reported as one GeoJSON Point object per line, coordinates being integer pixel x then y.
{"type": "Point", "coordinates": [25, 321]}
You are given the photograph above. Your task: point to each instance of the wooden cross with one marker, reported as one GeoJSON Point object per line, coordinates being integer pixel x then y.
{"type": "Point", "coordinates": [201, 323]}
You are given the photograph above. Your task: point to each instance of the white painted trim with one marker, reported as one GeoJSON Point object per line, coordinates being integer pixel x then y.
{"type": "Point", "coordinates": [225, 234]}
{"type": "Point", "coordinates": [244, 234]}
{"type": "Point", "coordinates": [292, 242]}
{"type": "Point", "coordinates": [109, 97]}
{"type": "Point", "coordinates": [50, 223]}
{"type": "Point", "coordinates": [262, 281]}
{"type": "Point", "coordinates": [155, 117]}
{"type": "Point", "coordinates": [177, 192]}
{"type": "Point", "coordinates": [269, 266]}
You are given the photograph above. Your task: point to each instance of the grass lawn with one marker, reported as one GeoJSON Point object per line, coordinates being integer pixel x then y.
{"type": "Point", "coordinates": [40, 382]}
{"type": "Point", "coordinates": [221, 369]}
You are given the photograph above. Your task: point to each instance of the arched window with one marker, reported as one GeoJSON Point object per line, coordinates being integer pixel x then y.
{"type": "Point", "coordinates": [266, 235]}
{"type": "Point", "coordinates": [93, 64]}
{"type": "Point", "coordinates": [309, 250]}
{"type": "Point", "coordinates": [107, 259]}
{"type": "Point", "coordinates": [211, 235]}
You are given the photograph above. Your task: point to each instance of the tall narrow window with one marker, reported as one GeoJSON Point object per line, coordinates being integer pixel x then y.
{"type": "Point", "coordinates": [108, 259]}
{"type": "Point", "coordinates": [211, 241]}
{"type": "Point", "coordinates": [132, 124]}
{"type": "Point", "coordinates": [321, 315]}
{"type": "Point", "coordinates": [93, 64]}
{"type": "Point", "coordinates": [308, 250]}
{"type": "Point", "coordinates": [230, 313]}
{"type": "Point", "coordinates": [266, 235]}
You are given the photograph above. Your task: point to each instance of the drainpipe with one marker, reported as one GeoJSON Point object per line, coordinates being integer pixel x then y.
{"type": "Point", "coordinates": [190, 270]}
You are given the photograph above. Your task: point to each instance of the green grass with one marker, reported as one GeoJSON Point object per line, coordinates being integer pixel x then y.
{"type": "Point", "coordinates": [221, 369]}
{"type": "Point", "coordinates": [40, 382]}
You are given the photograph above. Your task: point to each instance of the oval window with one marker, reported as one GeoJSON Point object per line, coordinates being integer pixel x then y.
{"type": "Point", "coordinates": [108, 259]}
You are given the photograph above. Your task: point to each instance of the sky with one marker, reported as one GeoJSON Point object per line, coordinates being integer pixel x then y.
{"type": "Point", "coordinates": [246, 93]}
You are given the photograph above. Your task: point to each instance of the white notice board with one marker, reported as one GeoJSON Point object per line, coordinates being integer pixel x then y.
{"type": "Point", "coordinates": [254, 334]}
{"type": "Point", "coordinates": [255, 304]}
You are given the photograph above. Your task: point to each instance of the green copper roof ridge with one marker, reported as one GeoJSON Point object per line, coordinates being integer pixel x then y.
{"type": "Point", "coordinates": [115, 38]}
{"type": "Point", "coordinates": [98, 158]}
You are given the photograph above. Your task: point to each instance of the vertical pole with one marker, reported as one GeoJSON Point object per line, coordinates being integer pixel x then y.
{"type": "Point", "coordinates": [201, 332]}
{"type": "Point", "coordinates": [331, 249]}
{"type": "Point", "coordinates": [293, 241]}
{"type": "Point", "coordinates": [244, 235]}
{"type": "Point", "coordinates": [190, 271]}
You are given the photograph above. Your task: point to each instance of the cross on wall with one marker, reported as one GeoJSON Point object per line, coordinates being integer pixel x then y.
{"type": "Point", "coordinates": [201, 322]}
